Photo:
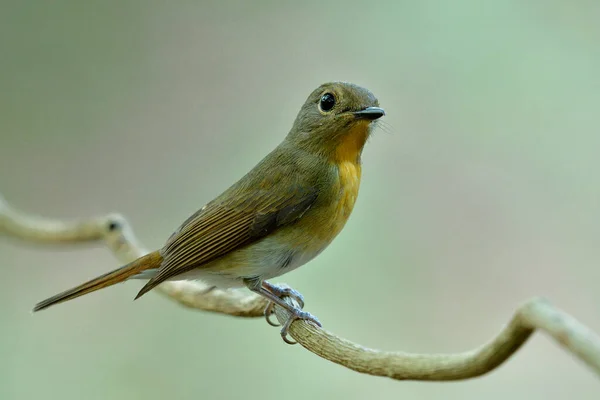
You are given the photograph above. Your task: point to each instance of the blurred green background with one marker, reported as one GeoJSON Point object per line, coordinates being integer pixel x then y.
{"type": "Point", "coordinates": [484, 193]}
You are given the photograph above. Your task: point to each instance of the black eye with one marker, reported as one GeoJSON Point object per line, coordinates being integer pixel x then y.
{"type": "Point", "coordinates": [327, 102]}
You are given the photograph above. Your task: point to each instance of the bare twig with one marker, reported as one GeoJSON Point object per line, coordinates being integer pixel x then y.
{"type": "Point", "coordinates": [533, 314]}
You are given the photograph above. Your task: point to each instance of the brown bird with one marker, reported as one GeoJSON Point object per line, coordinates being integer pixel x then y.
{"type": "Point", "coordinates": [279, 216]}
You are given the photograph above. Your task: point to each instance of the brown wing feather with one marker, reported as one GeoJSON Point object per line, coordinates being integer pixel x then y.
{"type": "Point", "coordinates": [221, 227]}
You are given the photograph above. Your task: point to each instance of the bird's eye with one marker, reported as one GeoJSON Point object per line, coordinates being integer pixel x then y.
{"type": "Point", "coordinates": [327, 102]}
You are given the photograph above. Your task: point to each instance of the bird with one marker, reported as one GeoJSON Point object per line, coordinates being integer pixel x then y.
{"type": "Point", "coordinates": [280, 215]}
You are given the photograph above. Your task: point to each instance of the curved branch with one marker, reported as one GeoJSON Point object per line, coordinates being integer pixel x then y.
{"type": "Point", "coordinates": [534, 314]}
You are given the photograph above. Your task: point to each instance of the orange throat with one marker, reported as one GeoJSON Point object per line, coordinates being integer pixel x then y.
{"type": "Point", "coordinates": [352, 143]}
{"type": "Point", "coordinates": [347, 158]}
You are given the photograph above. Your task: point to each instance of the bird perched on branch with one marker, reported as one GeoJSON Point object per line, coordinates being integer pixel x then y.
{"type": "Point", "coordinates": [279, 216]}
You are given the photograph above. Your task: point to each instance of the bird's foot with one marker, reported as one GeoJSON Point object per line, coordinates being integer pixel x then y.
{"type": "Point", "coordinates": [280, 291]}
{"type": "Point", "coordinates": [297, 314]}
{"type": "Point", "coordinates": [276, 294]}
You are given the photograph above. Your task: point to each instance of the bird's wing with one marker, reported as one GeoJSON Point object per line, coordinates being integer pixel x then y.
{"type": "Point", "coordinates": [233, 220]}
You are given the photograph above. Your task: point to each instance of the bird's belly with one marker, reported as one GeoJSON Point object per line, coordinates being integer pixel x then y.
{"type": "Point", "coordinates": [265, 259]}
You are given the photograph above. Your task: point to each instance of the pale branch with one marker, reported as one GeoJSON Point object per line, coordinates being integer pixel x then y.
{"type": "Point", "coordinates": [534, 314]}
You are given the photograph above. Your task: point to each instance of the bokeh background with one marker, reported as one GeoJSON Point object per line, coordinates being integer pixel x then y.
{"type": "Point", "coordinates": [484, 192]}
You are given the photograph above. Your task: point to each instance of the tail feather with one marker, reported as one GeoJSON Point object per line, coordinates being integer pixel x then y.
{"type": "Point", "coordinates": [149, 261]}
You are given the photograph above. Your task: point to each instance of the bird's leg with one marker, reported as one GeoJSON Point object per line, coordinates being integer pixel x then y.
{"type": "Point", "coordinates": [281, 292]}
{"type": "Point", "coordinates": [262, 288]}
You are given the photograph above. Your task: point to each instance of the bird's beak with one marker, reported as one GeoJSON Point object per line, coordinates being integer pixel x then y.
{"type": "Point", "coordinates": [370, 113]}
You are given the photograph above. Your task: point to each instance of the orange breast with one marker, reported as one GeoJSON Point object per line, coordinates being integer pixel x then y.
{"type": "Point", "coordinates": [349, 175]}
{"type": "Point", "coordinates": [329, 220]}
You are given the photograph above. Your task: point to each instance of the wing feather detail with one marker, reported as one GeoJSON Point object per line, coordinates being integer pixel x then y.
{"type": "Point", "coordinates": [222, 226]}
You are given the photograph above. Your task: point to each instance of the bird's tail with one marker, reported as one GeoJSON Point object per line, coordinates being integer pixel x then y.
{"type": "Point", "coordinates": [149, 261]}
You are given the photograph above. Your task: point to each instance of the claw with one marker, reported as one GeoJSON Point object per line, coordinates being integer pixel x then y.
{"type": "Point", "coordinates": [269, 312]}
{"type": "Point", "coordinates": [298, 314]}
{"type": "Point", "coordinates": [275, 295]}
